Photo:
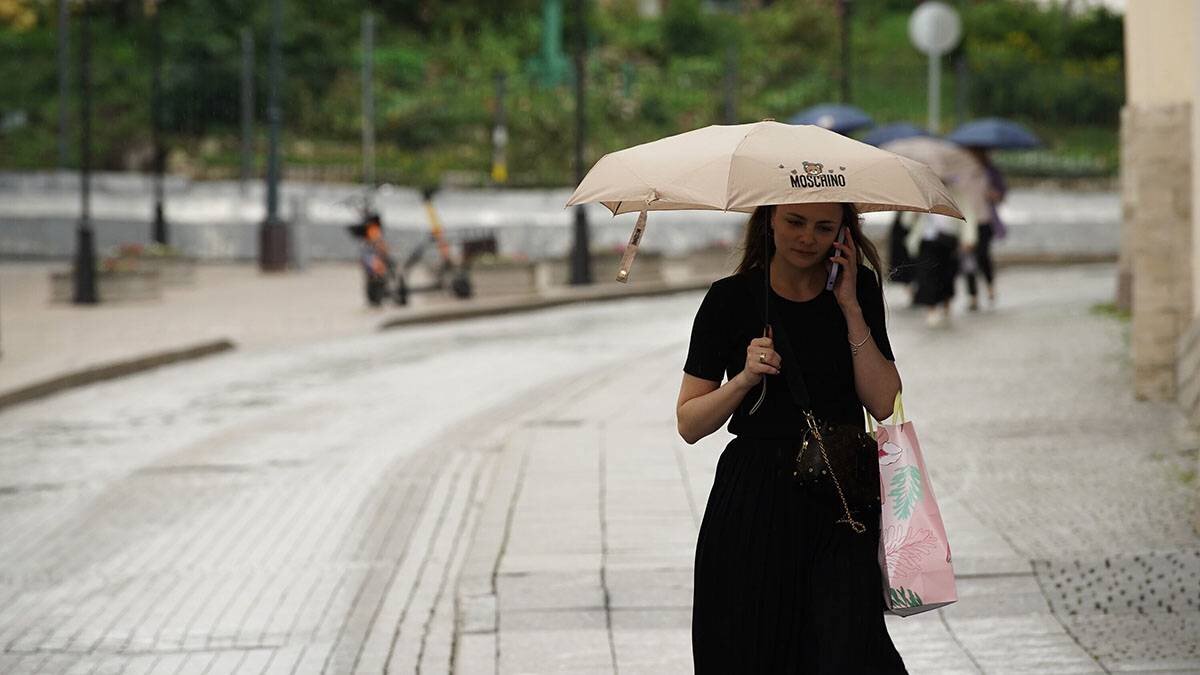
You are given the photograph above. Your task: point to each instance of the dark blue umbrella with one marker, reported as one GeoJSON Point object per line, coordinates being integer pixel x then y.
{"type": "Point", "coordinates": [995, 133]}
{"type": "Point", "coordinates": [834, 116]}
{"type": "Point", "coordinates": [893, 132]}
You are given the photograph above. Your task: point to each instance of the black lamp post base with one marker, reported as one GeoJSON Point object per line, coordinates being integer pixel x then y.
{"type": "Point", "coordinates": [581, 258]}
{"type": "Point", "coordinates": [85, 268]}
{"type": "Point", "coordinates": [160, 225]}
{"type": "Point", "coordinates": [273, 246]}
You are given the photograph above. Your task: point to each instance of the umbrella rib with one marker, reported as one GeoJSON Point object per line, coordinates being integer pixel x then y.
{"type": "Point", "coordinates": [635, 173]}
{"type": "Point", "coordinates": [729, 174]}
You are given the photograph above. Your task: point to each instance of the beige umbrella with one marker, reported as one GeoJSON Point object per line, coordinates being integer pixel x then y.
{"type": "Point", "coordinates": [741, 167]}
{"type": "Point", "coordinates": [957, 168]}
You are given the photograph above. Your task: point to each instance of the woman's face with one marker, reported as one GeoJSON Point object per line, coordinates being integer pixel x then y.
{"type": "Point", "coordinates": [804, 233]}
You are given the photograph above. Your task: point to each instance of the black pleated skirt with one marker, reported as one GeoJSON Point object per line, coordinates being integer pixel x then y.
{"type": "Point", "coordinates": [937, 268]}
{"type": "Point", "coordinates": [780, 587]}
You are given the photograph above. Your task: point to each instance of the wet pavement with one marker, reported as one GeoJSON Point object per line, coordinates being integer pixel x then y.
{"type": "Point", "coordinates": [509, 495]}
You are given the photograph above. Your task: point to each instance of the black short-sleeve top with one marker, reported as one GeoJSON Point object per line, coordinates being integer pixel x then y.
{"type": "Point", "coordinates": [729, 318]}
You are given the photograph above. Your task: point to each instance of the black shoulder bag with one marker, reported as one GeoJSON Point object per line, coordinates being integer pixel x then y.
{"type": "Point", "coordinates": [838, 463]}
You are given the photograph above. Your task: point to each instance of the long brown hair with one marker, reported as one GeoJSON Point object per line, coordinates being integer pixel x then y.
{"type": "Point", "coordinates": [754, 256]}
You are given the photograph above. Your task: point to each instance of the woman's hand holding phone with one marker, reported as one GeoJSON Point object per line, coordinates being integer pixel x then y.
{"type": "Point", "coordinates": [845, 280]}
{"type": "Point", "coordinates": [835, 268]}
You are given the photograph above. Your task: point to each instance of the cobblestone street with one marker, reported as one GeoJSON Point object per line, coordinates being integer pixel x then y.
{"type": "Point", "coordinates": [510, 495]}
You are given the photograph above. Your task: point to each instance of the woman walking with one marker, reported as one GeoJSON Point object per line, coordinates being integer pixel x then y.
{"type": "Point", "coordinates": [990, 227]}
{"type": "Point", "coordinates": [786, 580]}
{"type": "Point", "coordinates": [939, 242]}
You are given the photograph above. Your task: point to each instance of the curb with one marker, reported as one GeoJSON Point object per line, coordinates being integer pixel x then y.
{"type": "Point", "coordinates": [111, 371]}
{"type": "Point", "coordinates": [608, 292]}
{"type": "Point", "coordinates": [594, 294]}
{"type": "Point", "coordinates": [601, 293]}
{"type": "Point", "coordinates": [1034, 259]}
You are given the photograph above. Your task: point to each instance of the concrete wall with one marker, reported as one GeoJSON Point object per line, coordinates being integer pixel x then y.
{"type": "Point", "coordinates": [1159, 265]}
{"type": "Point", "coordinates": [1159, 70]}
{"type": "Point", "coordinates": [1159, 40]}
{"type": "Point", "coordinates": [1157, 185]}
{"type": "Point", "coordinates": [1195, 77]}
{"type": "Point", "coordinates": [1160, 255]}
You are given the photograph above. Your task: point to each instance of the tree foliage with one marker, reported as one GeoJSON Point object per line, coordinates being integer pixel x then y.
{"type": "Point", "coordinates": [436, 64]}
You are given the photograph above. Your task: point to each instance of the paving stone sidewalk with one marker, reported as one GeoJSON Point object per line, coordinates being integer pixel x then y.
{"type": "Point", "coordinates": [557, 532]}
{"type": "Point", "coordinates": [1067, 502]}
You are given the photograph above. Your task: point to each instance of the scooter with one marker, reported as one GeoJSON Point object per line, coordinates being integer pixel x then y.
{"type": "Point", "coordinates": [383, 273]}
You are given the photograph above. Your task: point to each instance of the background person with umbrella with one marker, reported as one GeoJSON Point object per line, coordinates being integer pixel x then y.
{"type": "Point", "coordinates": [937, 242]}
{"type": "Point", "coordinates": [901, 263]}
{"type": "Point", "coordinates": [787, 578]}
{"type": "Point", "coordinates": [980, 137]}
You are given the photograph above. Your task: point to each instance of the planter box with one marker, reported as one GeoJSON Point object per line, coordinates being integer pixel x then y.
{"type": "Point", "coordinates": [110, 286]}
{"type": "Point", "coordinates": [174, 271]}
{"type": "Point", "coordinates": [647, 268]}
{"type": "Point", "coordinates": [490, 279]}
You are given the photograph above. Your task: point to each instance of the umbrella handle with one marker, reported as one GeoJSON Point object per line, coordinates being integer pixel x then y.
{"type": "Point", "coordinates": [631, 248]}
{"type": "Point", "coordinates": [635, 238]}
{"type": "Point", "coordinates": [762, 395]}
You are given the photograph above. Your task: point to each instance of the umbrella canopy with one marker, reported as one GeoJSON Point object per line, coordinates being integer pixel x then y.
{"type": "Point", "coordinates": [960, 171]}
{"type": "Point", "coordinates": [996, 133]}
{"type": "Point", "coordinates": [834, 116]}
{"type": "Point", "coordinates": [893, 132]}
{"type": "Point", "coordinates": [741, 167]}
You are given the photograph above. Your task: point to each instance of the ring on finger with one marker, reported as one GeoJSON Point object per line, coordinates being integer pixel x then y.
{"type": "Point", "coordinates": [762, 357]}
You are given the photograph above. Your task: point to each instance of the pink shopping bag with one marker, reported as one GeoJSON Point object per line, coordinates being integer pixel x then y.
{"type": "Point", "coordinates": [914, 554]}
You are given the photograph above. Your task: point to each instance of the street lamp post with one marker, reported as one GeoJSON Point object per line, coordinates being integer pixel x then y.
{"type": "Point", "coordinates": [247, 105]}
{"type": "Point", "coordinates": [843, 9]}
{"type": "Point", "coordinates": [500, 135]}
{"type": "Point", "coordinates": [85, 246]}
{"type": "Point", "coordinates": [935, 29]}
{"type": "Point", "coordinates": [368, 101]}
{"type": "Point", "coordinates": [581, 268]}
{"type": "Point", "coordinates": [729, 82]}
{"type": "Point", "coordinates": [273, 234]}
{"type": "Point", "coordinates": [160, 223]}
{"type": "Point", "coordinates": [64, 67]}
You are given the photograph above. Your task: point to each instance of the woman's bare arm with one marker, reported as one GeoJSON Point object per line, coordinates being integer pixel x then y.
{"type": "Point", "coordinates": [705, 405]}
{"type": "Point", "coordinates": [875, 378]}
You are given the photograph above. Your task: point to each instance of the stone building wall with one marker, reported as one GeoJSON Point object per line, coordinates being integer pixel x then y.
{"type": "Point", "coordinates": [1156, 186]}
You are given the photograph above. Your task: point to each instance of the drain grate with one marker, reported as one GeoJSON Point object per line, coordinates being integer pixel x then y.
{"type": "Point", "coordinates": [1130, 611]}
{"type": "Point", "coordinates": [1141, 584]}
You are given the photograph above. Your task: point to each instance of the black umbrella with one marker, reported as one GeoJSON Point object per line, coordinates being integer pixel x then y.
{"type": "Point", "coordinates": [995, 133]}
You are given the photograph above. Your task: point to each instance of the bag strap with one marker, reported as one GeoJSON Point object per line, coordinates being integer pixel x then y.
{"type": "Point", "coordinates": [799, 393]}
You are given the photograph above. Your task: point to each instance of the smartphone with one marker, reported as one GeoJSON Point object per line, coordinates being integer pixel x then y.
{"type": "Point", "coordinates": [833, 271]}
